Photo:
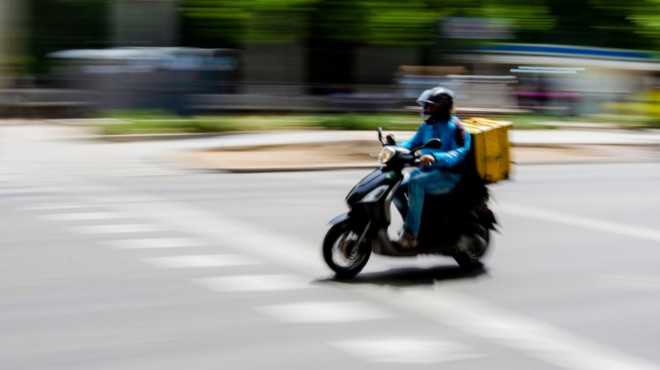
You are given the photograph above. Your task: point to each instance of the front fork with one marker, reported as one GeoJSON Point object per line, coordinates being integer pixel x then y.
{"type": "Point", "coordinates": [361, 238]}
{"type": "Point", "coordinates": [357, 227]}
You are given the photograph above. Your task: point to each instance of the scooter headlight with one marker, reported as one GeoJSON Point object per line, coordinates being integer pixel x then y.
{"type": "Point", "coordinates": [386, 154]}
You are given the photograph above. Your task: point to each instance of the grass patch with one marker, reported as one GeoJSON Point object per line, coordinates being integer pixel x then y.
{"type": "Point", "coordinates": [624, 120]}
{"type": "Point", "coordinates": [352, 121]}
{"type": "Point", "coordinates": [152, 122]}
{"type": "Point", "coordinates": [158, 122]}
{"type": "Point", "coordinates": [530, 122]}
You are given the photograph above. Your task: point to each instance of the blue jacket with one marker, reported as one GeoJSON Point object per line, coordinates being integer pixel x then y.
{"type": "Point", "coordinates": [455, 142]}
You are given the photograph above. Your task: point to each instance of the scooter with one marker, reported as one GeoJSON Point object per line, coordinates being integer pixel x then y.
{"type": "Point", "coordinates": [456, 224]}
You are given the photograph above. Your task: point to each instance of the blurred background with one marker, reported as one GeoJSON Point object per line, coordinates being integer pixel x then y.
{"type": "Point", "coordinates": [142, 252]}
{"type": "Point", "coordinates": [583, 59]}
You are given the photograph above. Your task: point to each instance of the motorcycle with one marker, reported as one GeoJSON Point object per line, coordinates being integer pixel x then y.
{"type": "Point", "coordinates": [456, 224]}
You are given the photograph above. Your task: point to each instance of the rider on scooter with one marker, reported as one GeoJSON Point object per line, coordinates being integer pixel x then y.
{"type": "Point", "coordinates": [440, 169]}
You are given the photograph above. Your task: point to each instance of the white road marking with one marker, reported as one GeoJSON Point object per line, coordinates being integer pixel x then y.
{"type": "Point", "coordinates": [630, 282]}
{"type": "Point", "coordinates": [580, 221]}
{"type": "Point", "coordinates": [83, 216]}
{"type": "Point", "coordinates": [404, 350]}
{"type": "Point", "coordinates": [155, 243]}
{"type": "Point", "coordinates": [474, 316]}
{"type": "Point", "coordinates": [54, 206]}
{"type": "Point", "coordinates": [218, 260]}
{"type": "Point", "coordinates": [253, 283]}
{"type": "Point", "coordinates": [324, 312]}
{"type": "Point", "coordinates": [115, 229]}
{"type": "Point", "coordinates": [534, 337]}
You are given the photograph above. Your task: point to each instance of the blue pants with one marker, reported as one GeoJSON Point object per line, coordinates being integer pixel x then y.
{"type": "Point", "coordinates": [416, 185]}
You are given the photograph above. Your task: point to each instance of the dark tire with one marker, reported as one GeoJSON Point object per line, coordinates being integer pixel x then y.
{"type": "Point", "coordinates": [467, 261]}
{"type": "Point", "coordinates": [472, 259]}
{"type": "Point", "coordinates": [340, 252]}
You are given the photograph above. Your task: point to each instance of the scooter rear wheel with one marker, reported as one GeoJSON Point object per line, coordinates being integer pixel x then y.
{"type": "Point", "coordinates": [472, 259]}
{"type": "Point", "coordinates": [341, 253]}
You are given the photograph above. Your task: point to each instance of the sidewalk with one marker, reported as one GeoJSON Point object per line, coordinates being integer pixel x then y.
{"type": "Point", "coordinates": [330, 150]}
{"type": "Point", "coordinates": [325, 149]}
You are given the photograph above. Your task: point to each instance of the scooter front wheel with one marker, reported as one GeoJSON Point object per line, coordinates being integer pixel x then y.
{"type": "Point", "coordinates": [341, 252]}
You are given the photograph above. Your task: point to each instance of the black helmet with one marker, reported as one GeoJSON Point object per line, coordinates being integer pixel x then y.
{"type": "Point", "coordinates": [440, 96]}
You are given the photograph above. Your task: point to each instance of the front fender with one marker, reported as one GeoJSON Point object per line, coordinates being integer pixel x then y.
{"type": "Point", "coordinates": [354, 220]}
{"type": "Point", "coordinates": [339, 219]}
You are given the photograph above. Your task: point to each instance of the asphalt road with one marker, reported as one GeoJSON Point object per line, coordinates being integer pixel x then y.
{"type": "Point", "coordinates": [175, 269]}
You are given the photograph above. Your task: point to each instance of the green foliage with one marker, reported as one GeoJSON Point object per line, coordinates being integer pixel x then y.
{"type": "Point", "coordinates": [353, 121]}
{"type": "Point", "coordinates": [417, 22]}
{"type": "Point", "coordinates": [231, 22]}
{"type": "Point", "coordinates": [136, 114]}
{"type": "Point", "coordinates": [60, 25]}
{"type": "Point", "coordinates": [336, 25]}
{"type": "Point", "coordinates": [400, 23]}
{"type": "Point", "coordinates": [161, 122]}
{"type": "Point", "coordinates": [158, 122]}
{"type": "Point", "coordinates": [530, 121]}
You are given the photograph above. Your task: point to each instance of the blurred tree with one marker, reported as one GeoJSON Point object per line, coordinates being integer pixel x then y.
{"type": "Point", "coordinates": [332, 29]}
{"type": "Point", "coordinates": [630, 24]}
{"type": "Point", "coordinates": [336, 29]}
{"type": "Point", "coordinates": [597, 23]}
{"type": "Point", "coordinates": [214, 23]}
{"type": "Point", "coordinates": [64, 24]}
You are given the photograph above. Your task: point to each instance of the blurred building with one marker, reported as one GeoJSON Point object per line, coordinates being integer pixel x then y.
{"type": "Point", "coordinates": [11, 40]}
{"type": "Point", "coordinates": [145, 23]}
{"type": "Point", "coordinates": [147, 77]}
{"type": "Point", "coordinates": [563, 78]}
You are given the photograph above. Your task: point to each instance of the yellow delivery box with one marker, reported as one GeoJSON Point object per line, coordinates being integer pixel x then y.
{"type": "Point", "coordinates": [490, 149]}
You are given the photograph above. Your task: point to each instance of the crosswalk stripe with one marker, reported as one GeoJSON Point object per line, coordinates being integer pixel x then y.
{"type": "Point", "coordinates": [54, 206]}
{"type": "Point", "coordinates": [218, 260]}
{"type": "Point", "coordinates": [253, 283]}
{"type": "Point", "coordinates": [477, 317]}
{"type": "Point", "coordinates": [154, 243]}
{"type": "Point", "coordinates": [403, 350]}
{"type": "Point", "coordinates": [83, 216]}
{"type": "Point", "coordinates": [324, 312]}
{"type": "Point", "coordinates": [115, 229]}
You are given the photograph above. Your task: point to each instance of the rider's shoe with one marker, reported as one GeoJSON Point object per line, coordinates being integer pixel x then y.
{"type": "Point", "coordinates": [408, 240]}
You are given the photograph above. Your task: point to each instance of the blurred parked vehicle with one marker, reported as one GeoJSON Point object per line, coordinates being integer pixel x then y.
{"type": "Point", "coordinates": [148, 77]}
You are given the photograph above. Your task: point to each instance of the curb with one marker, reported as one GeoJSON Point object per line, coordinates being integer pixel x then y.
{"type": "Point", "coordinates": [342, 167]}
{"type": "Point", "coordinates": [301, 168]}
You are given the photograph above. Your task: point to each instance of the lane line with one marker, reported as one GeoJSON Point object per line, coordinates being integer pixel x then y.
{"type": "Point", "coordinates": [560, 347]}
{"type": "Point", "coordinates": [116, 229]}
{"type": "Point", "coordinates": [534, 337]}
{"type": "Point", "coordinates": [324, 312]}
{"type": "Point", "coordinates": [155, 243]}
{"type": "Point", "coordinates": [54, 206]}
{"type": "Point", "coordinates": [630, 282]}
{"type": "Point", "coordinates": [192, 261]}
{"type": "Point", "coordinates": [580, 221]}
{"type": "Point", "coordinates": [85, 216]}
{"type": "Point", "coordinates": [406, 350]}
{"type": "Point", "coordinates": [253, 283]}
{"type": "Point", "coordinates": [477, 317]}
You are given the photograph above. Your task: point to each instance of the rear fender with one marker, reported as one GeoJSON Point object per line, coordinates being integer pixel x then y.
{"type": "Point", "coordinates": [487, 218]}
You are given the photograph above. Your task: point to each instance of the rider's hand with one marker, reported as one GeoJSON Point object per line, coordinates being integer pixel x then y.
{"type": "Point", "coordinates": [426, 159]}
